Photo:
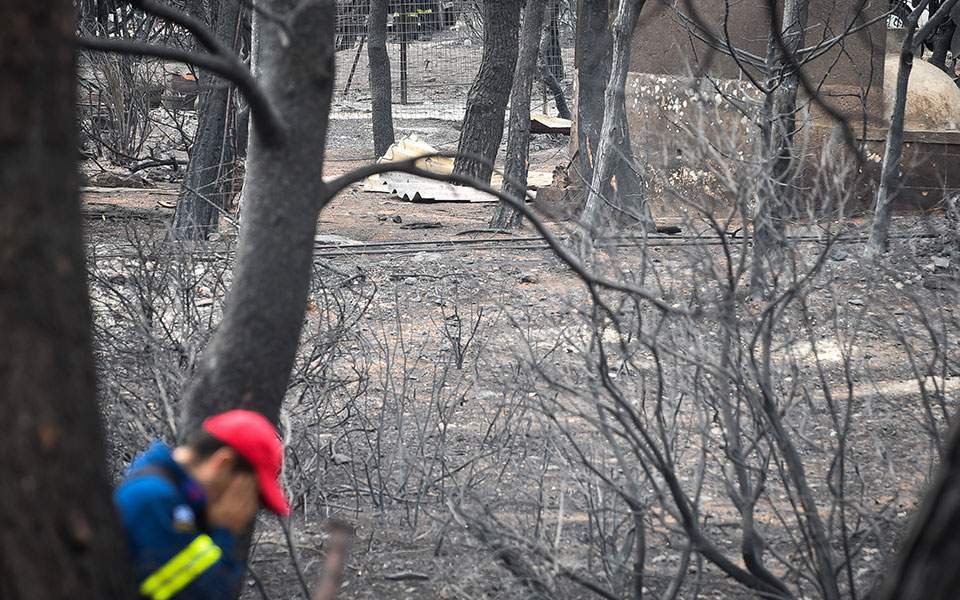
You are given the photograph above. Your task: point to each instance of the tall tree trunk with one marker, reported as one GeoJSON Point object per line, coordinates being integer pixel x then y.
{"type": "Point", "coordinates": [518, 134]}
{"type": "Point", "coordinates": [559, 98]}
{"type": "Point", "coordinates": [890, 167]}
{"type": "Point", "coordinates": [249, 359]}
{"type": "Point", "coordinates": [941, 45]}
{"type": "Point", "coordinates": [381, 90]}
{"type": "Point", "coordinates": [925, 567]}
{"type": "Point", "coordinates": [615, 178]}
{"type": "Point", "coordinates": [59, 537]}
{"type": "Point", "coordinates": [487, 100]}
{"type": "Point", "coordinates": [779, 130]}
{"type": "Point", "coordinates": [208, 184]}
{"type": "Point", "coordinates": [594, 45]}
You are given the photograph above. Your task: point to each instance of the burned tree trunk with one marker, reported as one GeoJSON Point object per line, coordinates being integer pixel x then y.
{"type": "Point", "coordinates": [518, 135]}
{"type": "Point", "coordinates": [925, 566]}
{"type": "Point", "coordinates": [249, 360]}
{"type": "Point", "coordinates": [616, 180]}
{"type": "Point", "coordinates": [209, 180]}
{"type": "Point", "coordinates": [779, 130]}
{"type": "Point", "coordinates": [559, 98]}
{"type": "Point", "coordinates": [890, 168]}
{"type": "Point", "coordinates": [59, 537]}
{"type": "Point", "coordinates": [487, 100]}
{"type": "Point", "coordinates": [380, 80]}
{"type": "Point", "coordinates": [593, 72]}
{"type": "Point", "coordinates": [941, 45]}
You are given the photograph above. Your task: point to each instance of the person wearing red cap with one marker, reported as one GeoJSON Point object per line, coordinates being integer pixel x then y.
{"type": "Point", "coordinates": [183, 508]}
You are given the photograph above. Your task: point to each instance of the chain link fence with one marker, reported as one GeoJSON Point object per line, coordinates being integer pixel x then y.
{"type": "Point", "coordinates": [435, 48]}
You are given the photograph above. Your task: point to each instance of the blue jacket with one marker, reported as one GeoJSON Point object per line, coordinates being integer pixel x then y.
{"type": "Point", "coordinates": [174, 553]}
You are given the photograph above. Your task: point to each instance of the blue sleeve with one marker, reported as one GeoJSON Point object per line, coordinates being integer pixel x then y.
{"type": "Point", "coordinates": [146, 505]}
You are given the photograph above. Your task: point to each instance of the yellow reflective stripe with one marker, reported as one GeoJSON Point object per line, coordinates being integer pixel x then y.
{"type": "Point", "coordinates": [181, 581]}
{"type": "Point", "coordinates": [185, 560]}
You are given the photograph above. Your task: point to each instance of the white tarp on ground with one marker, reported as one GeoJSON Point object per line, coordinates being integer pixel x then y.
{"type": "Point", "coordinates": [419, 189]}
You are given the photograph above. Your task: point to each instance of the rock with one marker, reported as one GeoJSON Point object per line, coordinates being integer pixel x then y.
{"type": "Point", "coordinates": [839, 254]}
{"type": "Point", "coordinates": [397, 219]}
{"type": "Point", "coordinates": [340, 459]}
{"type": "Point", "coordinates": [487, 396]}
{"type": "Point", "coordinates": [855, 301]}
{"type": "Point", "coordinates": [420, 257]}
{"type": "Point", "coordinates": [941, 262]}
{"type": "Point", "coordinates": [938, 282]}
{"type": "Point", "coordinates": [410, 281]}
{"type": "Point", "coordinates": [529, 278]}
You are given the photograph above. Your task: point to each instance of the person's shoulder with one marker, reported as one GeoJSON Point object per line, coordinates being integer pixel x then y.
{"type": "Point", "coordinates": [145, 489]}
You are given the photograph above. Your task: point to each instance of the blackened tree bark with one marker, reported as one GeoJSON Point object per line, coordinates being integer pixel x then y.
{"type": "Point", "coordinates": [925, 567]}
{"type": "Point", "coordinates": [208, 184]}
{"type": "Point", "coordinates": [890, 167]}
{"type": "Point", "coordinates": [58, 534]}
{"type": "Point", "coordinates": [594, 44]}
{"type": "Point", "coordinates": [487, 100]}
{"type": "Point", "coordinates": [616, 181]}
{"type": "Point", "coordinates": [941, 45]}
{"type": "Point", "coordinates": [559, 97]}
{"type": "Point", "coordinates": [249, 360]}
{"type": "Point", "coordinates": [779, 130]}
{"type": "Point", "coordinates": [381, 90]}
{"type": "Point", "coordinates": [518, 133]}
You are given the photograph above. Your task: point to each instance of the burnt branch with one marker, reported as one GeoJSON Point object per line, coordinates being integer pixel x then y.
{"type": "Point", "coordinates": [221, 61]}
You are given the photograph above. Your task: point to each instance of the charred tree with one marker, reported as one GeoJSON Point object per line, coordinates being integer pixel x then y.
{"type": "Point", "coordinates": [890, 167]}
{"type": "Point", "coordinates": [942, 43]}
{"type": "Point", "coordinates": [518, 134]}
{"type": "Point", "coordinates": [779, 130]}
{"type": "Point", "coordinates": [249, 359]}
{"type": "Point", "coordinates": [924, 567]}
{"type": "Point", "coordinates": [616, 181]}
{"type": "Point", "coordinates": [559, 97]}
{"type": "Point", "coordinates": [487, 100]}
{"type": "Point", "coordinates": [208, 184]}
{"type": "Point", "coordinates": [380, 79]}
{"type": "Point", "coordinates": [594, 45]}
{"type": "Point", "coordinates": [59, 537]}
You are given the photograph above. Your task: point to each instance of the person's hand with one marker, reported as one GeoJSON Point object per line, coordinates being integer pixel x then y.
{"type": "Point", "coordinates": [237, 505]}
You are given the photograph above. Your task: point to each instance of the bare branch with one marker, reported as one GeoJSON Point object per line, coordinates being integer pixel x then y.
{"type": "Point", "coordinates": [229, 67]}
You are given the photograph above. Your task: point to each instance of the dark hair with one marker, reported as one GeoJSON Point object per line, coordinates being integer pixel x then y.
{"type": "Point", "coordinates": [204, 445]}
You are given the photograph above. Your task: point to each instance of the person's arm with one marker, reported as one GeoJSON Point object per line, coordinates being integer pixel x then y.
{"type": "Point", "coordinates": [184, 565]}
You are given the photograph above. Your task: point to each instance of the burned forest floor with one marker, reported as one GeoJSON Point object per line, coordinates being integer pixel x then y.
{"type": "Point", "coordinates": [418, 410]}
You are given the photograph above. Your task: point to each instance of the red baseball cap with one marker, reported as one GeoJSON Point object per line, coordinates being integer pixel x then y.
{"type": "Point", "coordinates": [254, 438]}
